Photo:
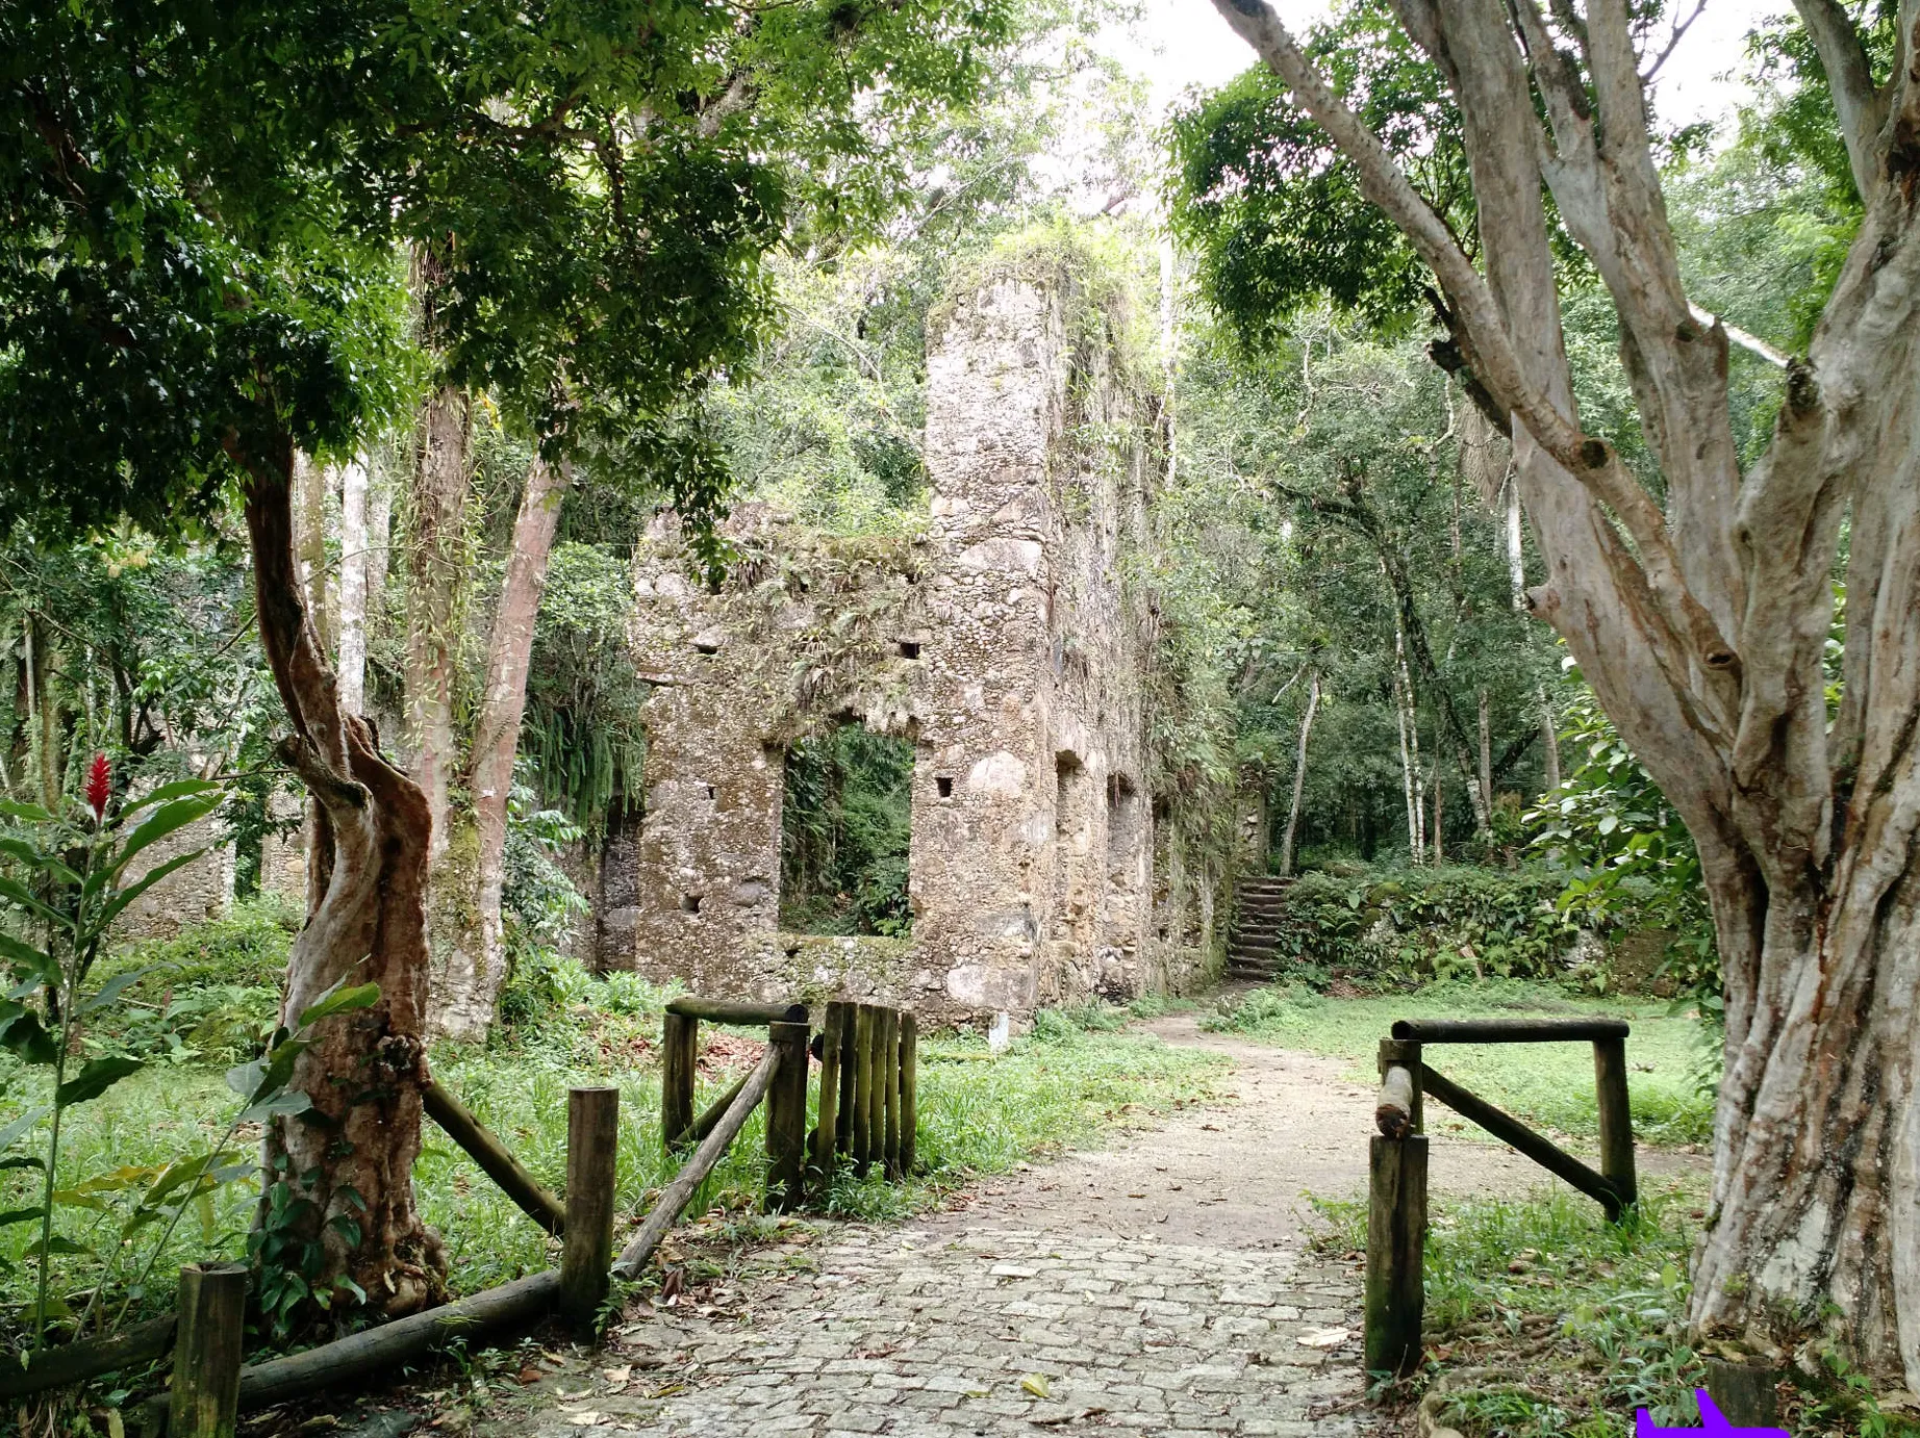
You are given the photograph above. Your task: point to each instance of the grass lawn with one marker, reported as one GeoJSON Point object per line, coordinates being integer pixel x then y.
{"type": "Point", "coordinates": [979, 1114]}
{"type": "Point", "coordinates": [1550, 1085]}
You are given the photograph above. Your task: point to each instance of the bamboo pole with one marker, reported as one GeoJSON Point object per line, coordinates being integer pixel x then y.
{"type": "Point", "coordinates": [593, 1143]}
{"type": "Point", "coordinates": [733, 1011]}
{"type": "Point", "coordinates": [865, 1019]}
{"type": "Point", "coordinates": [675, 1196]}
{"type": "Point", "coordinates": [787, 1119]}
{"type": "Point", "coordinates": [459, 1124]}
{"type": "Point", "coordinates": [679, 1044]}
{"type": "Point", "coordinates": [890, 1083]}
{"type": "Point", "coordinates": [827, 1127]}
{"type": "Point", "coordinates": [206, 1356]}
{"type": "Point", "coordinates": [909, 1091]}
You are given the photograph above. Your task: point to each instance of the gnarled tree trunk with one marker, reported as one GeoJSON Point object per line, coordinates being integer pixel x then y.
{"type": "Point", "coordinates": [350, 1157]}
{"type": "Point", "coordinates": [1702, 624]}
{"type": "Point", "coordinates": [471, 963]}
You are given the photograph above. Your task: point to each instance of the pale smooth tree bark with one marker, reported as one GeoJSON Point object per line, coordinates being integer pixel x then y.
{"type": "Point", "coordinates": [353, 586]}
{"type": "Point", "coordinates": [1701, 622]}
{"type": "Point", "coordinates": [1299, 774]}
{"type": "Point", "coordinates": [1410, 778]}
{"type": "Point", "coordinates": [350, 1156]}
{"type": "Point", "coordinates": [470, 960]}
{"type": "Point", "coordinates": [436, 560]}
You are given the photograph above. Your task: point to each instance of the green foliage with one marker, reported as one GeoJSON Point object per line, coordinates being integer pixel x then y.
{"type": "Point", "coordinates": [1274, 213]}
{"type": "Point", "coordinates": [1411, 925]}
{"type": "Point", "coordinates": [846, 828]}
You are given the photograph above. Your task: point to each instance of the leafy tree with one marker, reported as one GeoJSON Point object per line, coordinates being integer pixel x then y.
{"type": "Point", "coordinates": [1696, 596]}
{"type": "Point", "coordinates": [198, 279]}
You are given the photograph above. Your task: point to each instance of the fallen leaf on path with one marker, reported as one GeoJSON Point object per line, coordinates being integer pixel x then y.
{"type": "Point", "coordinates": [617, 1375]}
{"type": "Point", "coordinates": [1059, 1418]}
{"type": "Point", "coordinates": [1325, 1338]}
{"type": "Point", "coordinates": [529, 1375]}
{"type": "Point", "coordinates": [1037, 1385]}
{"type": "Point", "coordinates": [584, 1419]}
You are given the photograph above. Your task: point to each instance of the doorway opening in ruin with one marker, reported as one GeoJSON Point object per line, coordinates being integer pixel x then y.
{"type": "Point", "coordinates": [846, 828]}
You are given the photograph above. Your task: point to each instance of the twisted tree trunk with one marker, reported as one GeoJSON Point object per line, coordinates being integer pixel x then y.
{"type": "Point", "coordinates": [1702, 622]}
{"type": "Point", "coordinates": [344, 1168]}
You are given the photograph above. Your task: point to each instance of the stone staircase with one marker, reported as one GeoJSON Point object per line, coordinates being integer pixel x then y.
{"type": "Point", "coordinates": [1258, 902]}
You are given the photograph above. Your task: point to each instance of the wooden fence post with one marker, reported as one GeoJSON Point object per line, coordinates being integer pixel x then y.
{"type": "Point", "coordinates": [207, 1350]}
{"type": "Point", "coordinates": [787, 1120]}
{"type": "Point", "coordinates": [1404, 1054]}
{"type": "Point", "coordinates": [679, 1043]}
{"type": "Point", "coordinates": [909, 1090]}
{"type": "Point", "coordinates": [826, 1130]}
{"type": "Point", "coordinates": [1396, 1243]}
{"type": "Point", "coordinates": [1616, 1119]}
{"type": "Point", "coordinates": [593, 1142]}
{"type": "Point", "coordinates": [890, 1071]}
{"type": "Point", "coordinates": [864, 1022]}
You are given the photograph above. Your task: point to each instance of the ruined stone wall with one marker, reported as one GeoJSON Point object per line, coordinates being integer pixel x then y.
{"type": "Point", "coordinates": [1003, 640]}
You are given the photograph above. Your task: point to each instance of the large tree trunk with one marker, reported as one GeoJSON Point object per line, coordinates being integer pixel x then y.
{"type": "Point", "coordinates": [1299, 774]}
{"type": "Point", "coordinates": [346, 1165]}
{"type": "Point", "coordinates": [1701, 618]}
{"type": "Point", "coordinates": [468, 975]}
{"type": "Point", "coordinates": [436, 558]}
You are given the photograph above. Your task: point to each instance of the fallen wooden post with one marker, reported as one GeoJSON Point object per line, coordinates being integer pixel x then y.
{"type": "Point", "coordinates": [787, 1119]}
{"type": "Point", "coordinates": [346, 1362]}
{"type": "Point", "coordinates": [77, 1362]}
{"type": "Point", "coordinates": [1503, 1125]}
{"type": "Point", "coordinates": [1509, 1031]}
{"type": "Point", "coordinates": [1393, 1113]}
{"type": "Point", "coordinates": [205, 1394]}
{"type": "Point", "coordinates": [459, 1124]}
{"type": "Point", "coordinates": [715, 1111]}
{"type": "Point", "coordinates": [734, 1011]}
{"type": "Point", "coordinates": [593, 1143]}
{"type": "Point", "coordinates": [675, 1196]}
{"type": "Point", "coordinates": [1396, 1252]}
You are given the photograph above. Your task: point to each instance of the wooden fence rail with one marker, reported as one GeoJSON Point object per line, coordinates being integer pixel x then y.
{"type": "Point", "coordinates": [868, 1063]}
{"type": "Point", "coordinates": [1397, 1157]}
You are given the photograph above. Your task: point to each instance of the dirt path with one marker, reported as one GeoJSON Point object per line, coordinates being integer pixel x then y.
{"type": "Point", "coordinates": [1162, 1284]}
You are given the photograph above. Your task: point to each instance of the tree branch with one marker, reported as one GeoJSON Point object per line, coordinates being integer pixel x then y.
{"type": "Point", "coordinates": [1861, 109]}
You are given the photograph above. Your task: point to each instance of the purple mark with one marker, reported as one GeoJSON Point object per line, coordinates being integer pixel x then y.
{"type": "Point", "coordinates": [1712, 1424]}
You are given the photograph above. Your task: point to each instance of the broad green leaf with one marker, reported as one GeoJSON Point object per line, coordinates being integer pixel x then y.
{"type": "Point", "coordinates": [120, 1178]}
{"type": "Point", "coordinates": [276, 1105]}
{"type": "Point", "coordinates": [166, 793]}
{"type": "Point", "coordinates": [21, 1124]}
{"type": "Point", "coordinates": [47, 863]}
{"type": "Point", "coordinates": [95, 1079]}
{"type": "Point", "coordinates": [22, 1031]}
{"type": "Point", "coordinates": [59, 1244]}
{"type": "Point", "coordinates": [34, 961]}
{"type": "Point", "coordinates": [163, 821]}
{"type": "Point", "coordinates": [32, 813]}
{"type": "Point", "coordinates": [339, 1001]}
{"type": "Point", "coordinates": [111, 990]}
{"type": "Point", "coordinates": [20, 1215]}
{"type": "Point", "coordinates": [74, 1198]}
{"type": "Point", "coordinates": [23, 1161]}
{"type": "Point", "coordinates": [15, 892]}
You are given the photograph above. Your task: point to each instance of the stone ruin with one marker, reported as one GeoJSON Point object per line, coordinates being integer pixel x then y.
{"type": "Point", "coordinates": [1000, 635]}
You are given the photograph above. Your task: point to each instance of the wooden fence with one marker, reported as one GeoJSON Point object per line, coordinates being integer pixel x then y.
{"type": "Point", "coordinates": [1397, 1157]}
{"type": "Point", "coordinates": [868, 1105]}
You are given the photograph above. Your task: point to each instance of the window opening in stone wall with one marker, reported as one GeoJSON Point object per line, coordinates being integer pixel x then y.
{"type": "Point", "coordinates": [909, 649]}
{"type": "Point", "coordinates": [1123, 819]}
{"type": "Point", "coordinates": [846, 827]}
{"type": "Point", "coordinates": [690, 903]}
{"type": "Point", "coordinates": [943, 785]}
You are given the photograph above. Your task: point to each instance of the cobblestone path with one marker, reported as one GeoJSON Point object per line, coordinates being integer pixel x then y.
{"type": "Point", "coordinates": [1162, 1286]}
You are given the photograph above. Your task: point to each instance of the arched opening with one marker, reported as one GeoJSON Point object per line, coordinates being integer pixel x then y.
{"type": "Point", "coordinates": [846, 828]}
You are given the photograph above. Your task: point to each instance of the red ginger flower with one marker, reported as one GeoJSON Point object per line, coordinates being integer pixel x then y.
{"type": "Point", "coordinates": [99, 785]}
